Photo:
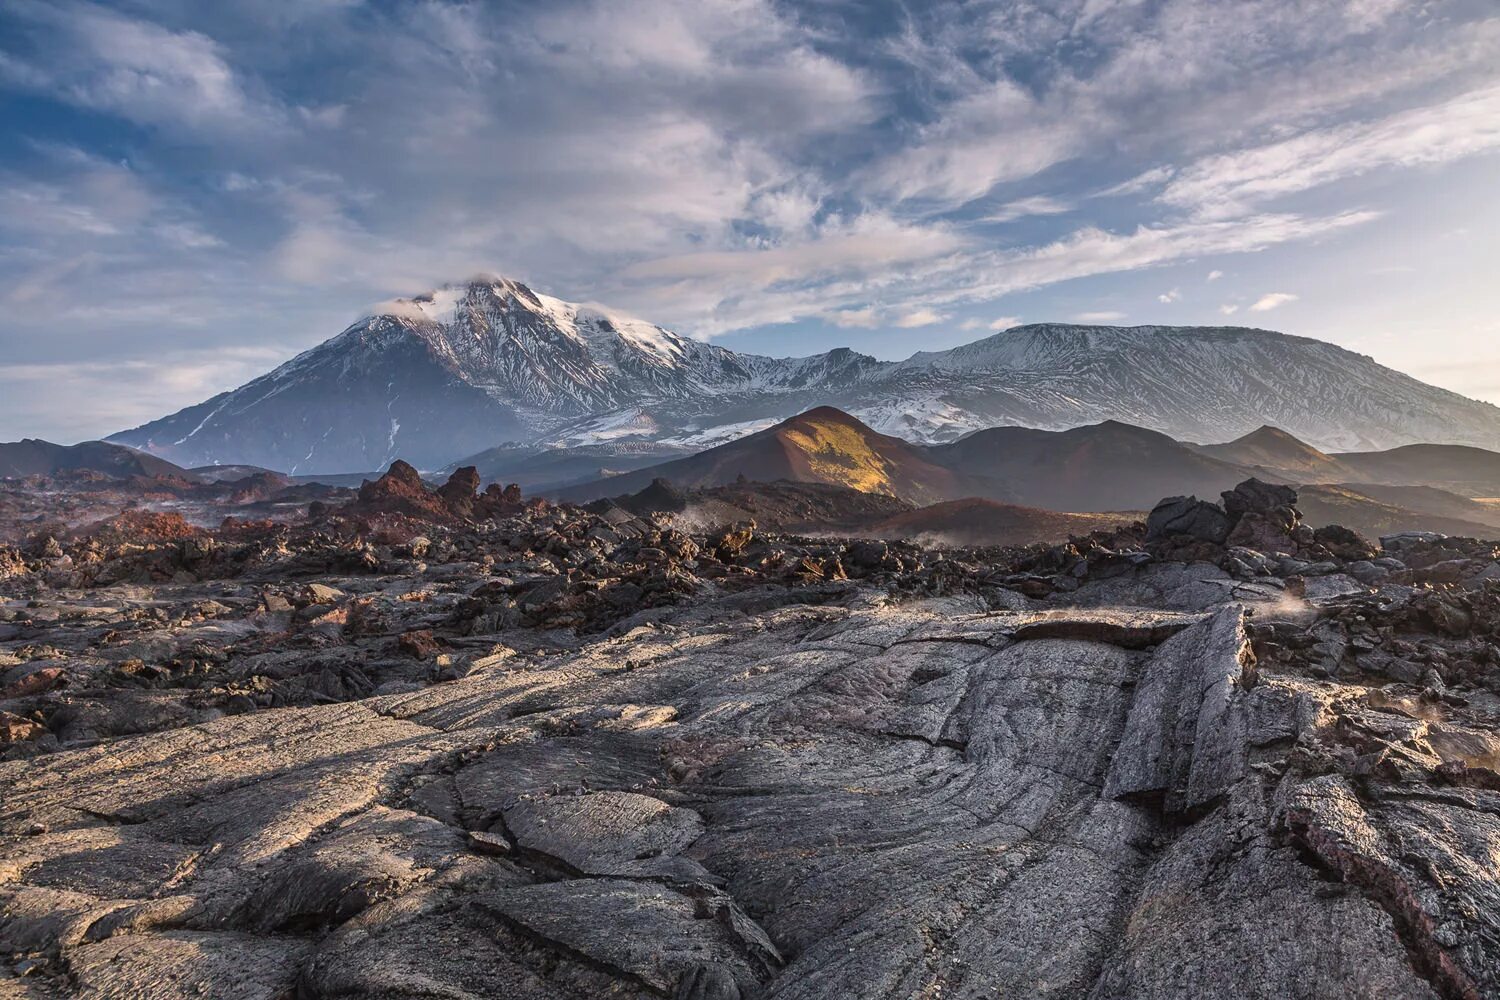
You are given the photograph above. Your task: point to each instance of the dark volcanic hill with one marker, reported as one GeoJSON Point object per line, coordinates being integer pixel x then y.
{"type": "Point", "coordinates": [33, 457]}
{"type": "Point", "coordinates": [1373, 512]}
{"type": "Point", "coordinates": [823, 445]}
{"type": "Point", "coordinates": [1472, 472]}
{"type": "Point", "coordinates": [1026, 483]}
{"type": "Point", "coordinates": [1274, 451]}
{"type": "Point", "coordinates": [1102, 467]}
{"type": "Point", "coordinates": [478, 365]}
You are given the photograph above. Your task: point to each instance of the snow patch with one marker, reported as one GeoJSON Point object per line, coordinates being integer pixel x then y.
{"type": "Point", "coordinates": [710, 437]}
{"type": "Point", "coordinates": [202, 423]}
{"type": "Point", "coordinates": [615, 426]}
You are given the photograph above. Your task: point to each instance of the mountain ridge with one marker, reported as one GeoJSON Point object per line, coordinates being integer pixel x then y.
{"type": "Point", "coordinates": [470, 367]}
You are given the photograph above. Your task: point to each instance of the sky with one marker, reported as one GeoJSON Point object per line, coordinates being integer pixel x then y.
{"type": "Point", "coordinates": [192, 193]}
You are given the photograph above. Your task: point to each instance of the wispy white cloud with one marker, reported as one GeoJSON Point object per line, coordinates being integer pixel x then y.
{"type": "Point", "coordinates": [921, 317]}
{"type": "Point", "coordinates": [1092, 251]}
{"type": "Point", "coordinates": [1272, 300]}
{"type": "Point", "coordinates": [736, 290]}
{"type": "Point", "coordinates": [1232, 184]}
{"type": "Point", "coordinates": [1100, 316]}
{"type": "Point", "coordinates": [1144, 181]}
{"type": "Point", "coordinates": [1004, 323]}
{"type": "Point", "coordinates": [1215, 275]}
{"type": "Point", "coordinates": [995, 134]}
{"type": "Point", "coordinates": [1022, 208]}
{"type": "Point", "coordinates": [1166, 298]}
{"type": "Point", "coordinates": [1229, 309]}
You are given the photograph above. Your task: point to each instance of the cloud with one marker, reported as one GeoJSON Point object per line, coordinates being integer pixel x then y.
{"type": "Point", "coordinates": [1092, 251]}
{"type": "Point", "coordinates": [922, 317]}
{"type": "Point", "coordinates": [738, 290]}
{"type": "Point", "coordinates": [1272, 300]}
{"type": "Point", "coordinates": [1025, 207]}
{"type": "Point", "coordinates": [80, 397]}
{"type": "Point", "coordinates": [1004, 323]}
{"type": "Point", "coordinates": [1229, 309]}
{"type": "Point", "coordinates": [1143, 181]}
{"type": "Point", "coordinates": [1102, 316]}
{"type": "Point", "coordinates": [1028, 85]}
{"type": "Point", "coordinates": [1232, 184]}
{"type": "Point", "coordinates": [854, 318]}
{"type": "Point", "coordinates": [714, 166]}
{"type": "Point", "coordinates": [107, 61]}
{"type": "Point", "coordinates": [1169, 297]}
{"type": "Point", "coordinates": [1215, 275]}
{"type": "Point", "coordinates": [998, 133]}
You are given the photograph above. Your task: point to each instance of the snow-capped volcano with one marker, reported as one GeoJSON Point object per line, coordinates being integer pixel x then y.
{"type": "Point", "coordinates": [468, 366]}
{"type": "Point", "coordinates": [465, 367]}
{"type": "Point", "coordinates": [520, 346]}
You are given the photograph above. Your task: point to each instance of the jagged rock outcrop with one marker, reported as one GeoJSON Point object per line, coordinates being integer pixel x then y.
{"type": "Point", "coordinates": [401, 492]}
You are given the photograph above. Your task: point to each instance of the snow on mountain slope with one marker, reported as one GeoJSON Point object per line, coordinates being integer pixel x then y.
{"type": "Point", "coordinates": [468, 367]}
{"type": "Point", "coordinates": [1194, 383]}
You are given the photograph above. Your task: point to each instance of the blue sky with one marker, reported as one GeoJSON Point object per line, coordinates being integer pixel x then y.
{"type": "Point", "coordinates": [191, 193]}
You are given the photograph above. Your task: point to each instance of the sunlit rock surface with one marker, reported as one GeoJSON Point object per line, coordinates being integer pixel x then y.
{"type": "Point", "coordinates": [873, 801]}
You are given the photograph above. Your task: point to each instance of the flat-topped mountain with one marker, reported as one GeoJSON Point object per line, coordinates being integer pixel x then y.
{"type": "Point", "coordinates": [473, 366]}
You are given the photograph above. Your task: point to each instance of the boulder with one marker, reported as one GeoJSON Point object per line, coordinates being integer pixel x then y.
{"type": "Point", "coordinates": [661, 495]}
{"type": "Point", "coordinates": [1345, 543]}
{"type": "Point", "coordinates": [1187, 516]}
{"type": "Point", "coordinates": [1410, 539]}
{"type": "Point", "coordinates": [1255, 497]}
{"type": "Point", "coordinates": [459, 491]}
{"type": "Point", "coordinates": [400, 480]}
{"type": "Point", "coordinates": [1264, 533]}
{"type": "Point", "coordinates": [15, 729]}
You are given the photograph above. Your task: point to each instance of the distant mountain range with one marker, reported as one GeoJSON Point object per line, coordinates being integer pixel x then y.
{"type": "Point", "coordinates": [472, 367]}
{"type": "Point", "coordinates": [825, 470]}
{"type": "Point", "coordinates": [1102, 468]}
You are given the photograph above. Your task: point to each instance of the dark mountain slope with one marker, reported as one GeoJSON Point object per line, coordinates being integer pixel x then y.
{"type": "Point", "coordinates": [1101, 467]}
{"type": "Point", "coordinates": [1374, 517]}
{"type": "Point", "coordinates": [1472, 472]}
{"type": "Point", "coordinates": [1274, 451]}
{"type": "Point", "coordinates": [34, 457]}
